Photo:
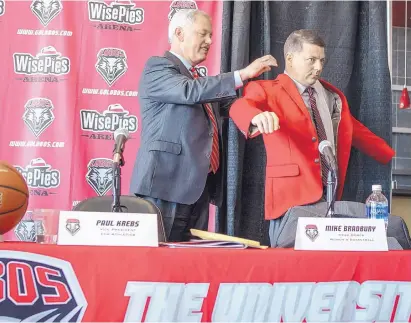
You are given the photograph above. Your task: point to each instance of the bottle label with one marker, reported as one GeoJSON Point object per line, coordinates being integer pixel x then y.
{"type": "Point", "coordinates": [375, 211]}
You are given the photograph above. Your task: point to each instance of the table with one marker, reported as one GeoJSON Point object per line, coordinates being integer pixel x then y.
{"type": "Point", "coordinates": [125, 284]}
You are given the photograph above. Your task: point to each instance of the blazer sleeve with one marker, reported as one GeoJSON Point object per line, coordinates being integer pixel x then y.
{"type": "Point", "coordinates": [162, 81]}
{"type": "Point", "coordinates": [243, 110]}
{"type": "Point", "coordinates": [370, 143]}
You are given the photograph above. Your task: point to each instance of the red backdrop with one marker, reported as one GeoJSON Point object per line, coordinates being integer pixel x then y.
{"type": "Point", "coordinates": [69, 79]}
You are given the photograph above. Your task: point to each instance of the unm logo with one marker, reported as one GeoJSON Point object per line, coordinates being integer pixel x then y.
{"type": "Point", "coordinates": [46, 10]}
{"type": "Point", "coordinates": [37, 288]}
{"type": "Point", "coordinates": [109, 120]}
{"type": "Point", "coordinates": [27, 229]}
{"type": "Point", "coordinates": [178, 5]}
{"type": "Point", "coordinates": [38, 174]}
{"type": "Point", "coordinates": [2, 7]}
{"type": "Point", "coordinates": [38, 115]}
{"type": "Point", "coordinates": [111, 64]}
{"type": "Point", "coordinates": [100, 175]}
{"type": "Point", "coordinates": [47, 62]}
{"type": "Point", "coordinates": [73, 226]}
{"type": "Point", "coordinates": [311, 231]}
{"type": "Point", "coordinates": [122, 12]}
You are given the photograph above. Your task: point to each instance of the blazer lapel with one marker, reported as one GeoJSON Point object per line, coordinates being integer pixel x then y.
{"type": "Point", "coordinates": [291, 89]}
{"type": "Point", "coordinates": [178, 63]}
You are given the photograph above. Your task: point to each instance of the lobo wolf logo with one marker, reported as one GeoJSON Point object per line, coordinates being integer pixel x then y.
{"type": "Point", "coordinates": [111, 64]}
{"type": "Point", "coordinates": [46, 10]}
{"type": "Point", "coordinates": [38, 115]}
{"type": "Point", "coordinates": [100, 175]}
{"type": "Point", "coordinates": [311, 231]}
{"type": "Point", "coordinates": [2, 7]}
{"type": "Point", "coordinates": [27, 229]}
{"type": "Point", "coordinates": [177, 5]}
{"type": "Point", "coordinates": [37, 288]}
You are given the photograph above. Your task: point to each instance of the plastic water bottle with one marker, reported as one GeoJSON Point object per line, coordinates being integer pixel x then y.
{"type": "Point", "coordinates": [377, 205]}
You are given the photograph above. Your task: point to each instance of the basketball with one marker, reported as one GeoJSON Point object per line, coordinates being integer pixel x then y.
{"type": "Point", "coordinates": [14, 197]}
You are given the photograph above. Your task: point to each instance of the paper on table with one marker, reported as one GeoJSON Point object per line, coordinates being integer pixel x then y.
{"type": "Point", "coordinates": [205, 235]}
{"type": "Point", "coordinates": [204, 244]}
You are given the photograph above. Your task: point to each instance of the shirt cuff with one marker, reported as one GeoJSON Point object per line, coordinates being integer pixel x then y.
{"type": "Point", "coordinates": [237, 80]}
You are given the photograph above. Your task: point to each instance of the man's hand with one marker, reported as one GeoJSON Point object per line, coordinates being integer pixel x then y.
{"type": "Point", "coordinates": [266, 122]}
{"type": "Point", "coordinates": [259, 66]}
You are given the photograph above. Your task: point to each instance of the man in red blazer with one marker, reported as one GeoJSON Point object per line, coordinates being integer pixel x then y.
{"type": "Point", "coordinates": [309, 110]}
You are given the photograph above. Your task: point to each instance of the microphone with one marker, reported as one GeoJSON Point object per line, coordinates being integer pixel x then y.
{"type": "Point", "coordinates": [326, 150]}
{"type": "Point", "coordinates": [121, 135]}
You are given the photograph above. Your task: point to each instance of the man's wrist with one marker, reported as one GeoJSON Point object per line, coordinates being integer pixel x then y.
{"type": "Point", "coordinates": [237, 80]}
{"type": "Point", "coordinates": [243, 75]}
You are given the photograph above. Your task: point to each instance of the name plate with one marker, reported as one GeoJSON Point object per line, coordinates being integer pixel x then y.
{"type": "Point", "coordinates": [107, 229]}
{"type": "Point", "coordinates": [341, 234]}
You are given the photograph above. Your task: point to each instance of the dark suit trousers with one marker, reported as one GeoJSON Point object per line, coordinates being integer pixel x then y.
{"type": "Point", "coordinates": [180, 218]}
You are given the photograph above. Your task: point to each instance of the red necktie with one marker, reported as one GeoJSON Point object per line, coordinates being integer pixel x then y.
{"type": "Point", "coordinates": [320, 131]}
{"type": "Point", "coordinates": [215, 152]}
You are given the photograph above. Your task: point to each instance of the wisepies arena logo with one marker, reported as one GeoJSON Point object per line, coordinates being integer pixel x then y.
{"type": "Point", "coordinates": [121, 12]}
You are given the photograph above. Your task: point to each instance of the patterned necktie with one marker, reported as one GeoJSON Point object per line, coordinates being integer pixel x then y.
{"type": "Point", "coordinates": [320, 131]}
{"type": "Point", "coordinates": [215, 150]}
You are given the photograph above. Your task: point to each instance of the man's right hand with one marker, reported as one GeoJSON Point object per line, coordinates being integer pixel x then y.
{"type": "Point", "coordinates": [258, 67]}
{"type": "Point", "coordinates": [266, 122]}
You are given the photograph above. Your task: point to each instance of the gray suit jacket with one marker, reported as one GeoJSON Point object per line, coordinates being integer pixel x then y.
{"type": "Point", "coordinates": [176, 135]}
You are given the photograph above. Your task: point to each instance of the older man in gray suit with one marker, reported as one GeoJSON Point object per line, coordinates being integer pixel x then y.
{"type": "Point", "coordinates": [179, 163]}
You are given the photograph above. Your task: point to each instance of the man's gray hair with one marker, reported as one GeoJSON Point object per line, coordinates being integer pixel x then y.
{"type": "Point", "coordinates": [295, 41]}
{"type": "Point", "coordinates": [183, 18]}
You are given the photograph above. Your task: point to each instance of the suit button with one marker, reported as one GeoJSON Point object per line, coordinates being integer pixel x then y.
{"type": "Point", "coordinates": [208, 155]}
{"type": "Point", "coordinates": [313, 139]}
{"type": "Point", "coordinates": [317, 160]}
{"type": "Point", "coordinates": [210, 133]}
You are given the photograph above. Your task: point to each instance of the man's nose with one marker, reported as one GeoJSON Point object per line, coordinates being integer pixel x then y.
{"type": "Point", "coordinates": [318, 65]}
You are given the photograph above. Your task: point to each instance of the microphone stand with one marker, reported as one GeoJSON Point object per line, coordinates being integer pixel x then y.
{"type": "Point", "coordinates": [116, 206]}
{"type": "Point", "coordinates": [330, 193]}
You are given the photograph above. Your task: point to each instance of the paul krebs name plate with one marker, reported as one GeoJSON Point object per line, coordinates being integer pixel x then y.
{"type": "Point", "coordinates": [341, 234]}
{"type": "Point", "coordinates": [107, 229]}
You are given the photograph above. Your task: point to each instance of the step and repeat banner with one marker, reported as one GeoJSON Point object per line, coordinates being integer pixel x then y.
{"type": "Point", "coordinates": [70, 76]}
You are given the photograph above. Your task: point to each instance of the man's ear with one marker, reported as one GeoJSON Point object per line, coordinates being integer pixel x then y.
{"type": "Point", "coordinates": [179, 33]}
{"type": "Point", "coordinates": [289, 59]}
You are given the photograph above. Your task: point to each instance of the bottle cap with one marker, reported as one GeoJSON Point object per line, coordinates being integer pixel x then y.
{"type": "Point", "coordinates": [377, 188]}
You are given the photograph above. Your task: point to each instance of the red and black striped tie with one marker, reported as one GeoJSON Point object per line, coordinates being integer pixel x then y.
{"type": "Point", "coordinates": [320, 132]}
{"type": "Point", "coordinates": [215, 150]}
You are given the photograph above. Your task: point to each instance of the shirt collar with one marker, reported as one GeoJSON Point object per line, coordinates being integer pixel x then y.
{"type": "Point", "coordinates": [183, 60]}
{"type": "Point", "coordinates": [301, 88]}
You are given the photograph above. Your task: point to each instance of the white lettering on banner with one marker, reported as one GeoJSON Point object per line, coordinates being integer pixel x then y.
{"type": "Point", "coordinates": [32, 143]}
{"type": "Point", "coordinates": [44, 32]}
{"type": "Point", "coordinates": [124, 14]}
{"type": "Point", "coordinates": [169, 302]}
{"type": "Point", "coordinates": [345, 301]}
{"type": "Point", "coordinates": [109, 92]}
{"type": "Point", "coordinates": [114, 117]}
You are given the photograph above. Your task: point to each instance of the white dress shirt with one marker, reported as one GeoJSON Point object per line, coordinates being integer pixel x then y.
{"type": "Point", "coordinates": [237, 78]}
{"type": "Point", "coordinates": [322, 105]}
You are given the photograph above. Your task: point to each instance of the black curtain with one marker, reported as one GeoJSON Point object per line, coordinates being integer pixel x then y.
{"type": "Point", "coordinates": [357, 63]}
